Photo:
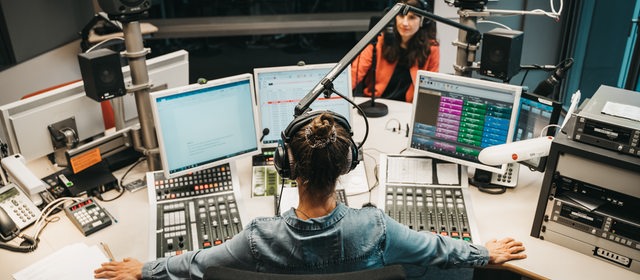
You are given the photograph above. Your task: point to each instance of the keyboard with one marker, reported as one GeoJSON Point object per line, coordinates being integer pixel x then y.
{"type": "Point", "coordinates": [213, 180]}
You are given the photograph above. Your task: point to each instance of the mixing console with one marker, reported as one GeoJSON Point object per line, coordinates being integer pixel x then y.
{"type": "Point", "coordinates": [435, 209]}
{"type": "Point", "coordinates": [194, 211]}
{"type": "Point", "coordinates": [194, 223]}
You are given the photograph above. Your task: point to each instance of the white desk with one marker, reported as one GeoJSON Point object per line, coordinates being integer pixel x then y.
{"type": "Point", "coordinates": [510, 214]}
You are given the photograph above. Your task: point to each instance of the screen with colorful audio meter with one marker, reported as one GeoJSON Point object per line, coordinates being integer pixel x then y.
{"type": "Point", "coordinates": [455, 117]}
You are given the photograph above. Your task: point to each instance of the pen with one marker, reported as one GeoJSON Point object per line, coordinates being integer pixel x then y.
{"type": "Point", "coordinates": [106, 249]}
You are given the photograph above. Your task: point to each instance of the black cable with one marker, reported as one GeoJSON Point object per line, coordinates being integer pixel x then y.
{"type": "Point", "coordinates": [280, 198]}
{"type": "Point", "coordinates": [121, 187]}
{"type": "Point", "coordinates": [524, 77]}
{"type": "Point", "coordinates": [488, 187]}
{"type": "Point", "coordinates": [129, 170]}
{"type": "Point", "coordinates": [366, 121]}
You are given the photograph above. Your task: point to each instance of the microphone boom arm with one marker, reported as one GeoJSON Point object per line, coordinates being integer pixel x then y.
{"type": "Point", "coordinates": [326, 84]}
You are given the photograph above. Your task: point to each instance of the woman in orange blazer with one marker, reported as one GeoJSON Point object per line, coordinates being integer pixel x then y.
{"type": "Point", "coordinates": [398, 60]}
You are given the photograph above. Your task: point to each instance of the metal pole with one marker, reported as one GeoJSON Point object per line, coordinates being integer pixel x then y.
{"type": "Point", "coordinates": [466, 54]}
{"type": "Point", "coordinates": [135, 52]}
{"type": "Point", "coordinates": [118, 112]}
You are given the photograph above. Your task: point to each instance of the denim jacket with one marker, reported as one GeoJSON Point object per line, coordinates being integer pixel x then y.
{"type": "Point", "coordinates": [347, 239]}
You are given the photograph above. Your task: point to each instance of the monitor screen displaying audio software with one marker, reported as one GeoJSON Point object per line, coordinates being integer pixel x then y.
{"type": "Point", "coordinates": [455, 117]}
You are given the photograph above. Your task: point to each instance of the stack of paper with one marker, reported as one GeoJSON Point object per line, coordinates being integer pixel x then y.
{"type": "Point", "coordinates": [76, 261]}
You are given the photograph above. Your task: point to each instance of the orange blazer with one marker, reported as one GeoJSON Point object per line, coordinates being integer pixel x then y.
{"type": "Point", "coordinates": [360, 66]}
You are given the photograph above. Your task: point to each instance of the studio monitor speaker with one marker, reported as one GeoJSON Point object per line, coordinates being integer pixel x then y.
{"type": "Point", "coordinates": [102, 74]}
{"type": "Point", "coordinates": [501, 52]}
{"type": "Point", "coordinates": [124, 7]}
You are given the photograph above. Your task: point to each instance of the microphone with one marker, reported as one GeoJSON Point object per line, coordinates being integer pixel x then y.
{"type": "Point", "coordinates": [371, 108]}
{"type": "Point", "coordinates": [547, 87]}
{"type": "Point", "coordinates": [516, 151]}
{"type": "Point", "coordinates": [265, 132]}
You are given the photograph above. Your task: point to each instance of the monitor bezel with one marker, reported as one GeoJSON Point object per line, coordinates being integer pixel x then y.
{"type": "Point", "coordinates": [540, 166]}
{"type": "Point", "coordinates": [212, 83]}
{"type": "Point", "coordinates": [267, 70]}
{"type": "Point", "coordinates": [515, 90]}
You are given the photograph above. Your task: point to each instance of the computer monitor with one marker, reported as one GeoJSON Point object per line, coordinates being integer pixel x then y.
{"type": "Point", "coordinates": [279, 89]}
{"type": "Point", "coordinates": [24, 123]}
{"type": "Point", "coordinates": [455, 117]}
{"type": "Point", "coordinates": [199, 126]}
{"type": "Point", "coordinates": [536, 113]}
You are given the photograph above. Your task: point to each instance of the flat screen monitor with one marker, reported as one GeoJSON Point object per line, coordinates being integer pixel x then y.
{"type": "Point", "coordinates": [535, 115]}
{"type": "Point", "coordinates": [455, 117]}
{"type": "Point", "coordinates": [199, 126]}
{"type": "Point", "coordinates": [279, 89]}
{"type": "Point", "coordinates": [25, 123]}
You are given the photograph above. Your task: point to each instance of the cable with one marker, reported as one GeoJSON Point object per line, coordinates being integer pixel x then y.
{"type": "Point", "coordinates": [524, 77]}
{"type": "Point", "coordinates": [366, 121]}
{"type": "Point", "coordinates": [103, 42]}
{"type": "Point", "coordinates": [542, 131]}
{"type": "Point", "coordinates": [496, 23]}
{"type": "Point", "coordinates": [30, 243]}
{"type": "Point", "coordinates": [46, 211]}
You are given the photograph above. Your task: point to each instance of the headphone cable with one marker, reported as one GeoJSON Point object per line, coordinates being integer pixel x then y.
{"type": "Point", "coordinates": [366, 121]}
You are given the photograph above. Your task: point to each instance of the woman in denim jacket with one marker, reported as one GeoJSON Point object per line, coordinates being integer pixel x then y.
{"type": "Point", "coordinates": [320, 235]}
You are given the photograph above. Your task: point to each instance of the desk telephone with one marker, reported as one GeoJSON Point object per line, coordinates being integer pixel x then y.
{"type": "Point", "coordinates": [17, 211]}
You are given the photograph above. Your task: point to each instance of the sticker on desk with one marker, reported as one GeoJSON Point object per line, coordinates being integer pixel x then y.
{"type": "Point", "coordinates": [85, 160]}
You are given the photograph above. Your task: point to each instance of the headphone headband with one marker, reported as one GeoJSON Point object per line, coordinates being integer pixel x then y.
{"type": "Point", "coordinates": [283, 158]}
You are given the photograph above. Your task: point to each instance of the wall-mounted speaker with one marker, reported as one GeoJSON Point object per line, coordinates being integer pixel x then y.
{"type": "Point", "coordinates": [501, 53]}
{"type": "Point", "coordinates": [102, 74]}
{"type": "Point", "coordinates": [124, 7]}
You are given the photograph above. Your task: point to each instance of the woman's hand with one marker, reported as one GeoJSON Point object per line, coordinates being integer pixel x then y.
{"type": "Point", "coordinates": [128, 268]}
{"type": "Point", "coordinates": [504, 250]}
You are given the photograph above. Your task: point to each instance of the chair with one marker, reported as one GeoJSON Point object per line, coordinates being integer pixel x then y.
{"type": "Point", "coordinates": [392, 272]}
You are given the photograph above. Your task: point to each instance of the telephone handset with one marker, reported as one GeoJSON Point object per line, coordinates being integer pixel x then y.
{"type": "Point", "coordinates": [8, 229]}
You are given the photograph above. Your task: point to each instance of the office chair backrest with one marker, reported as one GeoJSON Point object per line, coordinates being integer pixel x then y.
{"type": "Point", "coordinates": [394, 272]}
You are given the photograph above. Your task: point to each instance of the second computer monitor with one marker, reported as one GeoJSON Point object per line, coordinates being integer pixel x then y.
{"type": "Point", "coordinates": [455, 117]}
{"type": "Point", "coordinates": [202, 126]}
{"type": "Point", "coordinates": [537, 114]}
{"type": "Point", "coordinates": [279, 89]}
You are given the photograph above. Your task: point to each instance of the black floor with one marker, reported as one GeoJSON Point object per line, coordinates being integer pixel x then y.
{"type": "Point", "coordinates": [219, 57]}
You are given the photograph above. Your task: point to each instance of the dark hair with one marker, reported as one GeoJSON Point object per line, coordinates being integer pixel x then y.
{"type": "Point", "coordinates": [418, 47]}
{"type": "Point", "coordinates": [320, 151]}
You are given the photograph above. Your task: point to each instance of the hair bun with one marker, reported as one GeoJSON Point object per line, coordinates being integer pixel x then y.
{"type": "Point", "coordinates": [321, 132]}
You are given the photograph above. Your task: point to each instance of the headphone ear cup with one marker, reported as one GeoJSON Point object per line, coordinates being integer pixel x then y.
{"type": "Point", "coordinates": [352, 157]}
{"type": "Point", "coordinates": [281, 161]}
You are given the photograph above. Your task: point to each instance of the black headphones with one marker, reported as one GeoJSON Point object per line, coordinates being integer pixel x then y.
{"type": "Point", "coordinates": [283, 159]}
{"type": "Point", "coordinates": [389, 35]}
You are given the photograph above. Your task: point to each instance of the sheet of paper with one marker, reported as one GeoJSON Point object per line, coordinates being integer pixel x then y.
{"type": "Point", "coordinates": [75, 261]}
{"type": "Point", "coordinates": [354, 182]}
{"type": "Point", "coordinates": [622, 111]}
{"type": "Point", "coordinates": [448, 174]}
{"type": "Point", "coordinates": [409, 170]}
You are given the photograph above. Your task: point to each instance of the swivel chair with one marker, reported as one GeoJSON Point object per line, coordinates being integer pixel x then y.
{"type": "Point", "coordinates": [394, 272]}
